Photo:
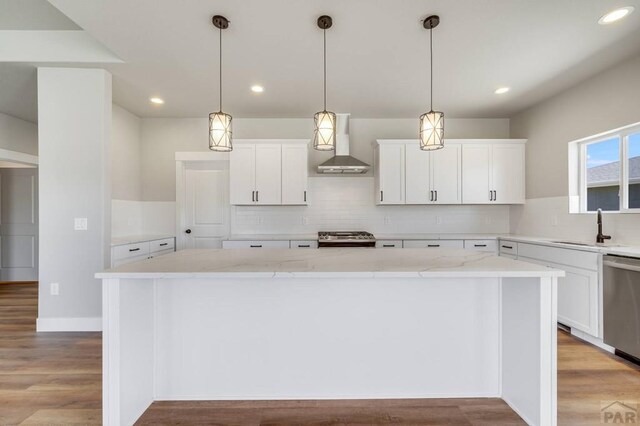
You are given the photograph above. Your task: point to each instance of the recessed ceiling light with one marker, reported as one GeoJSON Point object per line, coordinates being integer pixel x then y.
{"type": "Point", "coordinates": [156, 100]}
{"type": "Point", "coordinates": [257, 89]}
{"type": "Point", "coordinates": [501, 90]}
{"type": "Point", "coordinates": [615, 15]}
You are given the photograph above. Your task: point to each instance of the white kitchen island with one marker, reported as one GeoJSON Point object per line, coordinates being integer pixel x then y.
{"type": "Point", "coordinates": [329, 324]}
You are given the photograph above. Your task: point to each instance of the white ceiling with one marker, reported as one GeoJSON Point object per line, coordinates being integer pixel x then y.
{"type": "Point", "coordinates": [377, 53]}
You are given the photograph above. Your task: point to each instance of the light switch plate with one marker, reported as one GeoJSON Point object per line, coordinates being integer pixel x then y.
{"type": "Point", "coordinates": [55, 289]}
{"type": "Point", "coordinates": [80, 224]}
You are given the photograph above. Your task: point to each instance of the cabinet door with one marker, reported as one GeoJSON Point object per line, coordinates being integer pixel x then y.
{"type": "Point", "coordinates": [418, 175]}
{"type": "Point", "coordinates": [476, 174]}
{"type": "Point", "coordinates": [242, 177]}
{"type": "Point", "coordinates": [446, 175]}
{"type": "Point", "coordinates": [268, 164]}
{"type": "Point", "coordinates": [507, 173]}
{"type": "Point", "coordinates": [578, 299]}
{"type": "Point", "coordinates": [390, 174]}
{"type": "Point", "coordinates": [294, 174]}
{"type": "Point", "coordinates": [450, 244]}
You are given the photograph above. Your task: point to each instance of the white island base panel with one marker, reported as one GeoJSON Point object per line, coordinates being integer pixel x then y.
{"type": "Point", "coordinates": [338, 338]}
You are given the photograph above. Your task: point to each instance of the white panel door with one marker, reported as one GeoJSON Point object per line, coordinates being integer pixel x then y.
{"type": "Point", "coordinates": [295, 170]}
{"type": "Point", "coordinates": [242, 174]}
{"type": "Point", "coordinates": [507, 164]}
{"type": "Point", "coordinates": [446, 174]}
{"type": "Point", "coordinates": [578, 299]}
{"type": "Point", "coordinates": [268, 161]}
{"type": "Point", "coordinates": [418, 175]}
{"type": "Point", "coordinates": [476, 174]}
{"type": "Point", "coordinates": [206, 210]}
{"type": "Point", "coordinates": [392, 177]}
{"type": "Point", "coordinates": [19, 224]}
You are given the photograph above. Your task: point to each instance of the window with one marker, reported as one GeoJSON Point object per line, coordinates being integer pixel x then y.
{"type": "Point", "coordinates": [604, 172]}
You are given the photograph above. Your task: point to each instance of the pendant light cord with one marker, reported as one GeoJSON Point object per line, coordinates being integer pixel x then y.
{"type": "Point", "coordinates": [220, 69]}
{"type": "Point", "coordinates": [324, 37]}
{"type": "Point", "coordinates": [431, 64]}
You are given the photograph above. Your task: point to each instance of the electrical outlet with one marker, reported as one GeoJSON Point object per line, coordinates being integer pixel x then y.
{"type": "Point", "coordinates": [80, 224]}
{"type": "Point", "coordinates": [305, 220]}
{"type": "Point", "coordinates": [554, 220]}
{"type": "Point", "coordinates": [387, 220]}
{"type": "Point", "coordinates": [438, 220]}
{"type": "Point", "coordinates": [487, 220]}
{"type": "Point", "coordinates": [55, 289]}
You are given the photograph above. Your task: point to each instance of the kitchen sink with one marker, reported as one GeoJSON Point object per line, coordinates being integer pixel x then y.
{"type": "Point", "coordinates": [574, 243]}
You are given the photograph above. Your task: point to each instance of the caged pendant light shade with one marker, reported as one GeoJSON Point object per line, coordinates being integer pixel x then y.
{"type": "Point", "coordinates": [220, 134]}
{"type": "Point", "coordinates": [432, 122]}
{"type": "Point", "coordinates": [324, 135]}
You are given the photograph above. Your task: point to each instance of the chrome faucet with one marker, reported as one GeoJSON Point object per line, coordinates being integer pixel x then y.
{"type": "Point", "coordinates": [601, 237]}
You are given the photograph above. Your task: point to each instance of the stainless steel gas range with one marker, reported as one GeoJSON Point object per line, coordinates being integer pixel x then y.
{"type": "Point", "coordinates": [346, 239]}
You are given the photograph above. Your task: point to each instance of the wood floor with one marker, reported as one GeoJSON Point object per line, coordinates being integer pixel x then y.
{"type": "Point", "coordinates": [54, 379]}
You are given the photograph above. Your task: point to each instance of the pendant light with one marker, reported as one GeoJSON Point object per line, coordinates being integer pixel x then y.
{"type": "Point", "coordinates": [220, 122]}
{"type": "Point", "coordinates": [324, 135]}
{"type": "Point", "coordinates": [432, 122]}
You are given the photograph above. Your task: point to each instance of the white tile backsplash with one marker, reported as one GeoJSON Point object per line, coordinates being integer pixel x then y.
{"type": "Point", "coordinates": [347, 203]}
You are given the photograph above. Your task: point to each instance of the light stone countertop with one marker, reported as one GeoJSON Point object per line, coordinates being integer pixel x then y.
{"type": "Point", "coordinates": [327, 263]}
{"type": "Point", "coordinates": [133, 239]}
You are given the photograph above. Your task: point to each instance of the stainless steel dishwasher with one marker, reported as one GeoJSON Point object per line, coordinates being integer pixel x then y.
{"type": "Point", "coordinates": [621, 278]}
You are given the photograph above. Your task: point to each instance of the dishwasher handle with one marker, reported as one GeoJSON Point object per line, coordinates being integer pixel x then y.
{"type": "Point", "coordinates": [626, 266]}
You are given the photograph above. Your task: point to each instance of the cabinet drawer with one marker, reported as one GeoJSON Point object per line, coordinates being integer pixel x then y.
{"type": "Point", "coordinates": [481, 245]}
{"type": "Point", "coordinates": [304, 244]}
{"type": "Point", "coordinates": [508, 247]}
{"type": "Point", "coordinates": [255, 244]}
{"type": "Point", "coordinates": [130, 250]}
{"type": "Point", "coordinates": [451, 244]}
{"type": "Point", "coordinates": [161, 253]}
{"type": "Point", "coordinates": [389, 244]}
{"type": "Point", "coordinates": [562, 256]}
{"type": "Point", "coordinates": [161, 245]}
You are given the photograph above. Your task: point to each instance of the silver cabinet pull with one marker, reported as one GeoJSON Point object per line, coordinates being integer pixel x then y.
{"type": "Point", "coordinates": [305, 196]}
{"type": "Point", "coordinates": [430, 195]}
{"type": "Point", "coordinates": [436, 192]}
{"type": "Point", "coordinates": [257, 199]}
{"type": "Point", "coordinates": [495, 195]}
{"type": "Point", "coordinates": [490, 195]}
{"type": "Point", "coordinates": [253, 196]}
{"type": "Point", "coordinates": [381, 196]}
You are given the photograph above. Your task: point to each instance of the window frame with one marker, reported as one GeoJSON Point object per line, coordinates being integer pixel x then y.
{"type": "Point", "coordinates": [579, 149]}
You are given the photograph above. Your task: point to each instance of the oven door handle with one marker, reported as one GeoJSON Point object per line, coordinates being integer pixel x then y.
{"type": "Point", "coordinates": [621, 266]}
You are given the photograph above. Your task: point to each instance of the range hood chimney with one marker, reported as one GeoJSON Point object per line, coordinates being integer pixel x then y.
{"type": "Point", "coordinates": [342, 162]}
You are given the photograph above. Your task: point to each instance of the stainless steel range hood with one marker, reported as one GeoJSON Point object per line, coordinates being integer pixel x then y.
{"type": "Point", "coordinates": [342, 162]}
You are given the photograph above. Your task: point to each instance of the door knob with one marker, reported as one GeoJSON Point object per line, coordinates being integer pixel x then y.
{"type": "Point", "coordinates": [188, 231]}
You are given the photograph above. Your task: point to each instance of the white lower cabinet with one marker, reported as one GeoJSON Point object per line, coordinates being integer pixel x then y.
{"type": "Point", "coordinates": [134, 252]}
{"type": "Point", "coordinates": [388, 243]}
{"type": "Point", "coordinates": [304, 244]}
{"type": "Point", "coordinates": [245, 244]}
{"type": "Point", "coordinates": [481, 245]}
{"type": "Point", "coordinates": [578, 290]}
{"type": "Point", "coordinates": [452, 244]}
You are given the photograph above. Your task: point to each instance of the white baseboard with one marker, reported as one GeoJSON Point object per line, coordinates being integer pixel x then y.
{"type": "Point", "coordinates": [69, 324]}
{"type": "Point", "coordinates": [591, 339]}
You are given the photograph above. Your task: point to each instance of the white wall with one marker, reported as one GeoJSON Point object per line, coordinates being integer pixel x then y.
{"type": "Point", "coordinates": [18, 135]}
{"type": "Point", "coordinates": [74, 130]}
{"type": "Point", "coordinates": [605, 102]}
{"type": "Point", "coordinates": [125, 155]}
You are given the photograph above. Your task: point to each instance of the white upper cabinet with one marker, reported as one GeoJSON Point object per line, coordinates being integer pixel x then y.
{"type": "Point", "coordinates": [295, 172]}
{"type": "Point", "coordinates": [464, 171]}
{"type": "Point", "coordinates": [268, 172]}
{"type": "Point", "coordinates": [493, 173]}
{"type": "Point", "coordinates": [242, 174]}
{"type": "Point", "coordinates": [389, 171]}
